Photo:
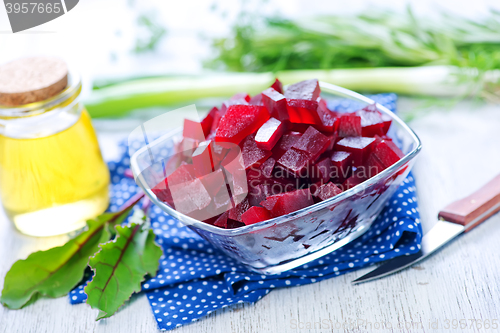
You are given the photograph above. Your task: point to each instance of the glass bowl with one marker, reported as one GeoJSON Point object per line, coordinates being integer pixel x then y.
{"type": "Point", "coordinates": [288, 241]}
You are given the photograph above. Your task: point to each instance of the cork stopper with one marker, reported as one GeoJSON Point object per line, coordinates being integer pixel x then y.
{"type": "Point", "coordinates": [30, 80]}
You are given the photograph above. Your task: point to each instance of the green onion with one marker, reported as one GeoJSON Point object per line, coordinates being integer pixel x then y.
{"type": "Point", "coordinates": [446, 81]}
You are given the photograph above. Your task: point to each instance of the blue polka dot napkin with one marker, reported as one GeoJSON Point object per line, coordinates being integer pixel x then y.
{"type": "Point", "coordinates": [194, 279]}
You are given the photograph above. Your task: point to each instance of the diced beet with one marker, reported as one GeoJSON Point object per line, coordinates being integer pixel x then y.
{"type": "Point", "coordinates": [221, 200]}
{"type": "Point", "coordinates": [333, 139]}
{"type": "Point", "coordinates": [252, 154]}
{"type": "Point", "coordinates": [327, 117]}
{"type": "Point", "coordinates": [286, 142]}
{"type": "Point", "coordinates": [349, 125]}
{"type": "Point", "coordinates": [190, 196]}
{"type": "Point", "coordinates": [385, 154]}
{"type": "Point", "coordinates": [232, 224]}
{"type": "Point", "coordinates": [202, 159]}
{"type": "Point", "coordinates": [291, 201]}
{"type": "Point", "coordinates": [256, 100]}
{"type": "Point", "coordinates": [386, 120]}
{"type": "Point", "coordinates": [240, 96]}
{"type": "Point", "coordinates": [208, 121]}
{"type": "Point", "coordinates": [258, 193]}
{"type": "Point", "coordinates": [312, 142]}
{"type": "Point", "coordinates": [374, 166]}
{"type": "Point", "coordinates": [215, 124]}
{"type": "Point", "coordinates": [236, 212]}
{"type": "Point", "coordinates": [234, 171]}
{"type": "Point", "coordinates": [295, 161]}
{"type": "Point", "coordinates": [269, 133]}
{"type": "Point", "coordinates": [282, 182]}
{"type": "Point", "coordinates": [218, 153]}
{"type": "Point", "coordinates": [371, 121]}
{"type": "Point", "coordinates": [213, 182]}
{"type": "Point", "coordinates": [184, 173]}
{"type": "Point", "coordinates": [299, 128]}
{"type": "Point", "coordinates": [267, 167]}
{"type": "Point", "coordinates": [327, 191]}
{"type": "Point", "coordinates": [270, 202]}
{"type": "Point", "coordinates": [356, 179]}
{"type": "Point", "coordinates": [277, 86]}
{"type": "Point", "coordinates": [225, 105]}
{"type": "Point", "coordinates": [239, 122]}
{"type": "Point", "coordinates": [303, 111]}
{"type": "Point", "coordinates": [308, 90]}
{"type": "Point", "coordinates": [187, 146]}
{"type": "Point", "coordinates": [275, 104]}
{"type": "Point", "coordinates": [254, 215]}
{"type": "Point", "coordinates": [221, 222]}
{"type": "Point", "coordinates": [163, 193]}
{"type": "Point", "coordinates": [322, 170]}
{"type": "Point", "coordinates": [360, 148]}
{"type": "Point", "coordinates": [388, 153]}
{"type": "Point", "coordinates": [193, 130]}
{"type": "Point", "coordinates": [342, 163]}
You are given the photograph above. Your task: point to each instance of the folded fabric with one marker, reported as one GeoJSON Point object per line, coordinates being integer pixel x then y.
{"type": "Point", "coordinates": [195, 279]}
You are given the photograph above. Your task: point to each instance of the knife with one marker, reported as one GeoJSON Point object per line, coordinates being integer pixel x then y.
{"type": "Point", "coordinates": [458, 217]}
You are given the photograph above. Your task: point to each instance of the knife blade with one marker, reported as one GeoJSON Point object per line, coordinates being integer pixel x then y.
{"type": "Point", "coordinates": [456, 218]}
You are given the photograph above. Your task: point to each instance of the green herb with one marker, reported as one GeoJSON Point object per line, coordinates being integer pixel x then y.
{"type": "Point", "coordinates": [120, 266]}
{"type": "Point", "coordinates": [55, 272]}
{"type": "Point", "coordinates": [375, 39]}
{"type": "Point", "coordinates": [155, 33]}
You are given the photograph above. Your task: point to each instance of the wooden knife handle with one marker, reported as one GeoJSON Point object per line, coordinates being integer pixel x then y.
{"type": "Point", "coordinates": [476, 208]}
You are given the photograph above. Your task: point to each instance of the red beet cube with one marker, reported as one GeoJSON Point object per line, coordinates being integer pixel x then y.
{"type": "Point", "coordinates": [291, 201]}
{"type": "Point", "coordinates": [357, 178]}
{"type": "Point", "coordinates": [308, 90]}
{"type": "Point", "coordinates": [258, 193]}
{"type": "Point", "coordinates": [327, 117]}
{"type": "Point", "coordinates": [286, 142]}
{"type": "Point", "coordinates": [163, 193]}
{"type": "Point", "coordinates": [385, 154]}
{"type": "Point", "coordinates": [221, 222]}
{"type": "Point", "coordinates": [360, 148]}
{"type": "Point", "coordinates": [275, 104]}
{"type": "Point", "coordinates": [327, 191]}
{"type": "Point", "coordinates": [256, 100]}
{"type": "Point", "coordinates": [372, 122]}
{"type": "Point", "coordinates": [342, 163]}
{"type": "Point", "coordinates": [269, 133]}
{"type": "Point", "coordinates": [254, 215]}
{"type": "Point", "coordinates": [322, 170]}
{"type": "Point", "coordinates": [270, 202]}
{"type": "Point", "coordinates": [213, 182]}
{"type": "Point", "coordinates": [252, 154]}
{"type": "Point", "coordinates": [190, 196]}
{"type": "Point", "coordinates": [239, 122]}
{"type": "Point", "coordinates": [295, 161]}
{"type": "Point", "coordinates": [333, 139]}
{"type": "Point", "coordinates": [303, 111]}
{"type": "Point", "coordinates": [193, 130]}
{"type": "Point", "coordinates": [266, 168]}
{"type": "Point", "coordinates": [240, 96]}
{"type": "Point", "coordinates": [202, 159]}
{"type": "Point", "coordinates": [312, 142]}
{"type": "Point", "coordinates": [277, 86]}
{"type": "Point", "coordinates": [234, 170]}
{"type": "Point", "coordinates": [208, 121]}
{"type": "Point", "coordinates": [236, 212]}
{"type": "Point", "coordinates": [349, 125]}
{"type": "Point", "coordinates": [225, 105]}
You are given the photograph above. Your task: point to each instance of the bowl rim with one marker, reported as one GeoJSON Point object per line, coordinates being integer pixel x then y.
{"type": "Point", "coordinates": [325, 87]}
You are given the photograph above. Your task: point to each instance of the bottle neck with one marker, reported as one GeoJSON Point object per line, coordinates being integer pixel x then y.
{"type": "Point", "coordinates": [44, 118]}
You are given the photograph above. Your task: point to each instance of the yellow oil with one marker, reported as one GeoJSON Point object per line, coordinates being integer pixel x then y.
{"type": "Point", "coordinates": [52, 185]}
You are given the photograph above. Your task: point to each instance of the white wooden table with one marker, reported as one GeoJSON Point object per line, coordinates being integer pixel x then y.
{"type": "Point", "coordinates": [462, 281]}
